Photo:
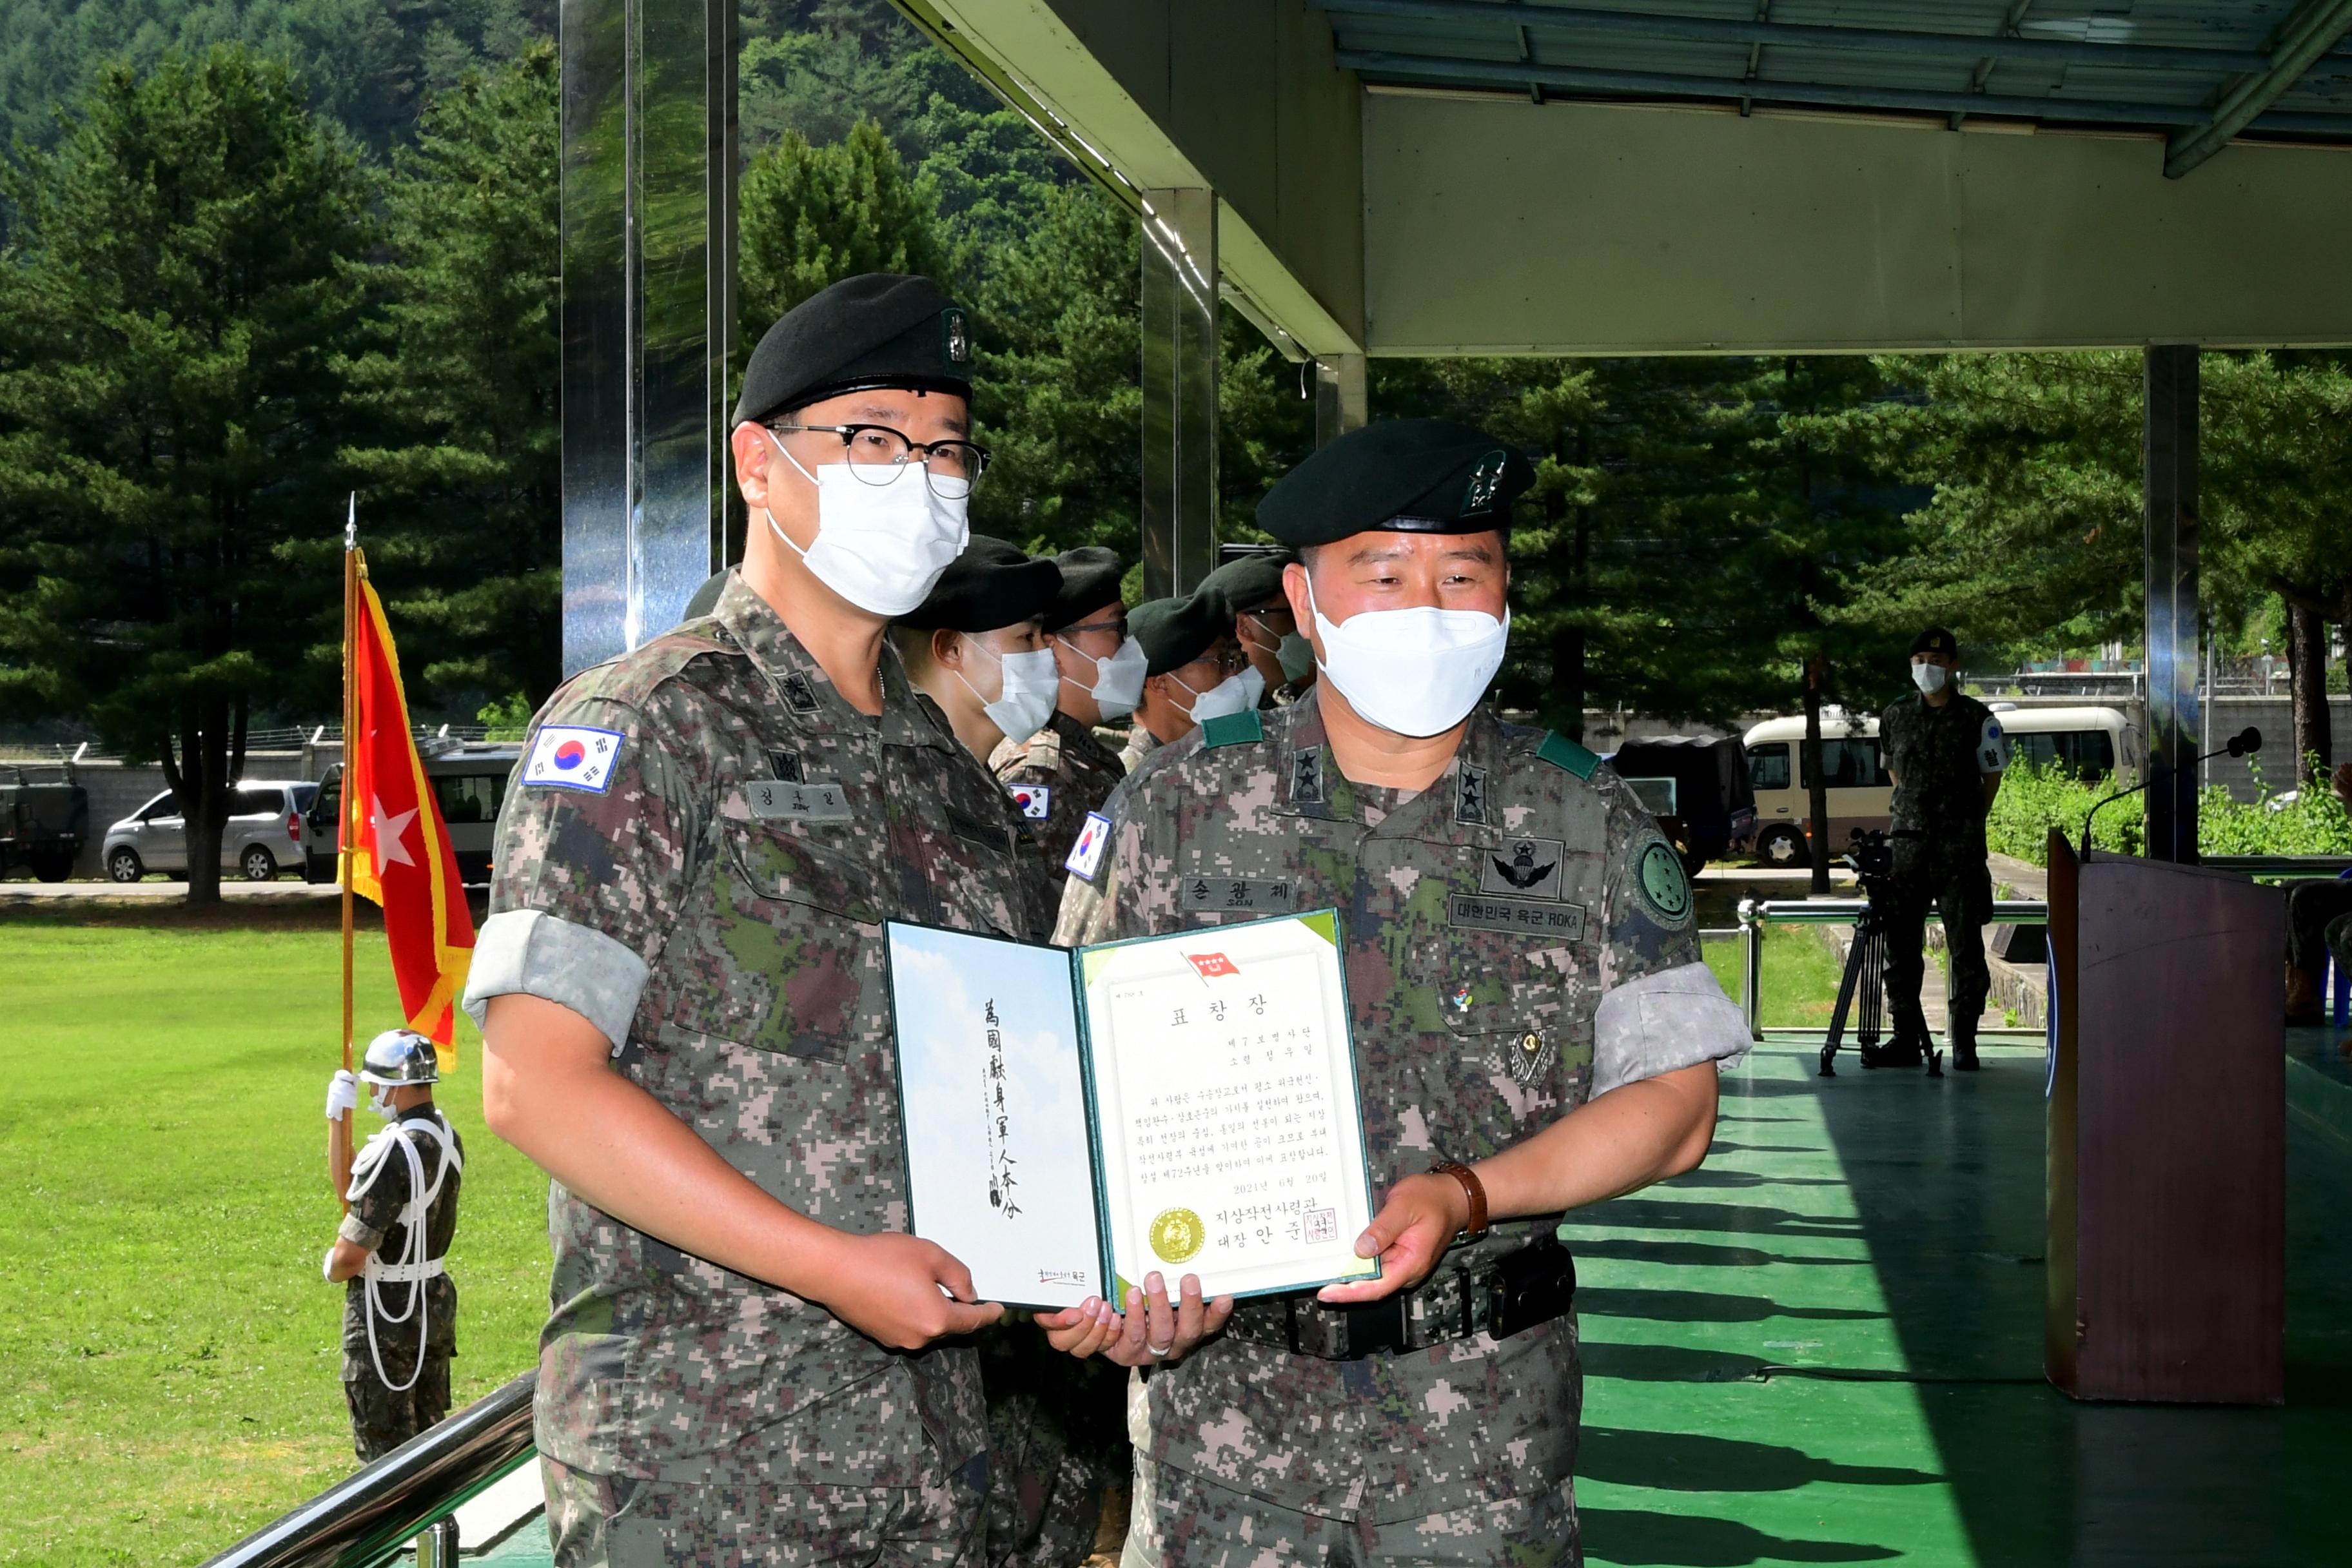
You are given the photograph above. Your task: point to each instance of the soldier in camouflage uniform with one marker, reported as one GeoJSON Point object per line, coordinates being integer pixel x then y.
{"type": "Point", "coordinates": [400, 1306]}
{"type": "Point", "coordinates": [1192, 671]}
{"type": "Point", "coordinates": [975, 649]}
{"type": "Point", "coordinates": [1249, 590]}
{"type": "Point", "coordinates": [1065, 771]}
{"type": "Point", "coordinates": [682, 991]}
{"type": "Point", "coordinates": [1533, 1030]}
{"type": "Point", "coordinates": [1945, 750]}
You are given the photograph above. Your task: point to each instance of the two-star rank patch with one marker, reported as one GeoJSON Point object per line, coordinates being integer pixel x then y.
{"type": "Point", "coordinates": [1086, 854]}
{"type": "Point", "coordinates": [1035, 801]}
{"type": "Point", "coordinates": [572, 756]}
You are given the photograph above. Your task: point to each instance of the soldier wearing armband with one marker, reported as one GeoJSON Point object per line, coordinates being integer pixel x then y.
{"type": "Point", "coordinates": [1946, 752]}
{"type": "Point", "coordinates": [681, 993]}
{"type": "Point", "coordinates": [1533, 1028]}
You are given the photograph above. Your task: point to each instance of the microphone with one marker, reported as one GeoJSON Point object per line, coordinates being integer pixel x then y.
{"type": "Point", "coordinates": [2245, 743]}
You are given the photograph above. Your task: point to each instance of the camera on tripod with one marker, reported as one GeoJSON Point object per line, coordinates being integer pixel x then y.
{"type": "Point", "coordinates": [1861, 994]}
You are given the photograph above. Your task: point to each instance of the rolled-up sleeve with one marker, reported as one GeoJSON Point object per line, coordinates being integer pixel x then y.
{"type": "Point", "coordinates": [590, 882]}
{"type": "Point", "coordinates": [1663, 1022]}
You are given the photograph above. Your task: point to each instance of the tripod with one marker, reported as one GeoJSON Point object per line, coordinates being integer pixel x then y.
{"type": "Point", "coordinates": [1866, 976]}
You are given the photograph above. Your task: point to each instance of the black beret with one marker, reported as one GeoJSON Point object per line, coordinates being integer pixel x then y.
{"type": "Point", "coordinates": [878, 329]}
{"type": "Point", "coordinates": [1410, 475]}
{"type": "Point", "coordinates": [990, 585]}
{"type": "Point", "coordinates": [1246, 582]}
{"type": "Point", "coordinates": [1090, 576]}
{"type": "Point", "coordinates": [705, 598]}
{"type": "Point", "coordinates": [1175, 632]}
{"type": "Point", "coordinates": [1935, 639]}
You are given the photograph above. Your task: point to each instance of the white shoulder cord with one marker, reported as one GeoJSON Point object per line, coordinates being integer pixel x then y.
{"type": "Point", "coordinates": [412, 1267]}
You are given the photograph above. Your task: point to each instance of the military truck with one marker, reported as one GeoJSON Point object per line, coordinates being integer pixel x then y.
{"type": "Point", "coordinates": [44, 822]}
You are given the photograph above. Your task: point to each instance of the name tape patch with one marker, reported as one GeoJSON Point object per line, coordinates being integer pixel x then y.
{"type": "Point", "coordinates": [1035, 801]}
{"type": "Point", "coordinates": [779, 800]}
{"type": "Point", "coordinates": [1240, 895]}
{"type": "Point", "coordinates": [573, 757]}
{"type": "Point", "coordinates": [1563, 922]}
{"type": "Point", "coordinates": [1086, 854]}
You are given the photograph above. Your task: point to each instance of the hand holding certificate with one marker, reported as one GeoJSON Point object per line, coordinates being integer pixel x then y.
{"type": "Point", "coordinates": [1179, 1104]}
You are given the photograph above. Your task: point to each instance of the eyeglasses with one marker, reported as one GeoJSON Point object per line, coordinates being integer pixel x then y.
{"type": "Point", "coordinates": [1116, 626]}
{"type": "Point", "coordinates": [878, 455]}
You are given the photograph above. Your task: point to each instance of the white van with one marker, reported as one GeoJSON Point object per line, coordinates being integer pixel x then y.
{"type": "Point", "coordinates": [2090, 743]}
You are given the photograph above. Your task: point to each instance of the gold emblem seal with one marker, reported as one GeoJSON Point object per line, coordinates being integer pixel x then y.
{"type": "Point", "coordinates": [1177, 1235]}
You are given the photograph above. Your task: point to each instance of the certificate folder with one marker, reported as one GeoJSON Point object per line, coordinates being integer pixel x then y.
{"type": "Point", "coordinates": [1185, 1104]}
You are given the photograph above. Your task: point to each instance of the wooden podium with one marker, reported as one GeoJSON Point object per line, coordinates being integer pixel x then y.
{"type": "Point", "coordinates": [2168, 1133]}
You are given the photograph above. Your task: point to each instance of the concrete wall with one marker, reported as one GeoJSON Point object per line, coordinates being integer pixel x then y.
{"type": "Point", "coordinates": [1496, 225]}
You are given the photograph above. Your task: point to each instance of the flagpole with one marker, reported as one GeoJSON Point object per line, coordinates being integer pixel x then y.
{"type": "Point", "coordinates": [345, 832]}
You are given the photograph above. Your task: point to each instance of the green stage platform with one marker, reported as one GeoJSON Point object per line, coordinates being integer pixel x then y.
{"type": "Point", "coordinates": [1825, 1346]}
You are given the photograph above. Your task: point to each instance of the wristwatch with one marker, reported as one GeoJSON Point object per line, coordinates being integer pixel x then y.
{"type": "Point", "coordinates": [1477, 1224]}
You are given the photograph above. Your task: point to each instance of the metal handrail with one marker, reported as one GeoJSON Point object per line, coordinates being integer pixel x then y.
{"type": "Point", "coordinates": [2279, 865]}
{"type": "Point", "coordinates": [364, 1519]}
{"type": "Point", "coordinates": [1755, 914]}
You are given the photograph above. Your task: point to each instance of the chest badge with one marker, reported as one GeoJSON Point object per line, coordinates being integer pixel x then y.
{"type": "Point", "coordinates": [1530, 1059]}
{"type": "Point", "coordinates": [1524, 869]}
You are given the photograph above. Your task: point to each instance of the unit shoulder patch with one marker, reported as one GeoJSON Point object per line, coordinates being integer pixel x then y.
{"type": "Point", "coordinates": [1567, 755]}
{"type": "Point", "coordinates": [1664, 886]}
{"type": "Point", "coordinates": [1232, 729]}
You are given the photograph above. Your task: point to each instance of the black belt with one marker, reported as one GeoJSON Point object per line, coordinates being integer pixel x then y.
{"type": "Point", "coordinates": [1516, 1292]}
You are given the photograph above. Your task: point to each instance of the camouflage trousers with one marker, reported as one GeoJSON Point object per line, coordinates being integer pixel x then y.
{"type": "Point", "coordinates": [615, 1522]}
{"type": "Point", "coordinates": [382, 1419]}
{"type": "Point", "coordinates": [1183, 1522]}
{"type": "Point", "coordinates": [1056, 1438]}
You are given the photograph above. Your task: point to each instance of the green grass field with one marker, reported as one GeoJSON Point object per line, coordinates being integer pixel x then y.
{"type": "Point", "coordinates": [169, 1370]}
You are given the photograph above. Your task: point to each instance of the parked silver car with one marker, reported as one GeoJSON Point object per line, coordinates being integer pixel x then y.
{"type": "Point", "coordinates": [264, 836]}
{"type": "Point", "coordinates": [469, 781]}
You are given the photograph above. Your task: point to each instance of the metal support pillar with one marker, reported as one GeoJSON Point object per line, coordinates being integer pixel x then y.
{"type": "Point", "coordinates": [2169, 451]}
{"type": "Point", "coordinates": [1340, 403]}
{"type": "Point", "coordinates": [1180, 390]}
{"type": "Point", "coordinates": [649, 247]}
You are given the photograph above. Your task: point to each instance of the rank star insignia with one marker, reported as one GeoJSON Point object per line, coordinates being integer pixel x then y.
{"type": "Point", "coordinates": [1470, 795]}
{"type": "Point", "coordinates": [1306, 776]}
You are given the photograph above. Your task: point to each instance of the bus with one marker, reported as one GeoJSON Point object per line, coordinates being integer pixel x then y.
{"type": "Point", "coordinates": [2090, 742]}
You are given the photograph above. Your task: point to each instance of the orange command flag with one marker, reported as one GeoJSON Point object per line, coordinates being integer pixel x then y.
{"type": "Point", "coordinates": [399, 856]}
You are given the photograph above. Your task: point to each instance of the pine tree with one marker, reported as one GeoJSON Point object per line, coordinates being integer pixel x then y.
{"type": "Point", "coordinates": [466, 469]}
{"type": "Point", "coordinates": [175, 288]}
{"type": "Point", "coordinates": [810, 216]}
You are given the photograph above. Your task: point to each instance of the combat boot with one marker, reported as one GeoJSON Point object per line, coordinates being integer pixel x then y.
{"type": "Point", "coordinates": [1960, 1034]}
{"type": "Point", "coordinates": [2302, 996]}
{"type": "Point", "coordinates": [1903, 1049]}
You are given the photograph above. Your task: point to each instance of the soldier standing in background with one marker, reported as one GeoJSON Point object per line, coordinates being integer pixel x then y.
{"type": "Point", "coordinates": [400, 1306]}
{"type": "Point", "coordinates": [1065, 771]}
{"type": "Point", "coordinates": [1249, 591]}
{"type": "Point", "coordinates": [1534, 1030]}
{"type": "Point", "coordinates": [681, 993]}
{"type": "Point", "coordinates": [1191, 671]}
{"type": "Point", "coordinates": [976, 648]}
{"type": "Point", "coordinates": [1945, 752]}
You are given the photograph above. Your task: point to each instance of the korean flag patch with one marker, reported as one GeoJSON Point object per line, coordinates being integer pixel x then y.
{"type": "Point", "coordinates": [572, 756]}
{"type": "Point", "coordinates": [1035, 801]}
{"type": "Point", "coordinates": [1085, 855]}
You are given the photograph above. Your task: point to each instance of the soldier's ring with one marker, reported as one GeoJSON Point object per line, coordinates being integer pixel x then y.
{"type": "Point", "coordinates": [1162, 1350]}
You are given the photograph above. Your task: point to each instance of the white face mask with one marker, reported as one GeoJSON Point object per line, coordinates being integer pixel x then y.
{"type": "Point", "coordinates": [380, 1101]}
{"type": "Point", "coordinates": [1929, 677]}
{"type": "Point", "coordinates": [1417, 672]}
{"type": "Point", "coordinates": [881, 547]}
{"type": "Point", "coordinates": [1119, 679]}
{"type": "Point", "coordinates": [1227, 696]}
{"type": "Point", "coordinates": [1027, 685]}
{"type": "Point", "coordinates": [1252, 686]}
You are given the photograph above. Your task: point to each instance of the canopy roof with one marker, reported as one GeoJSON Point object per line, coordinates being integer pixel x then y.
{"type": "Point", "coordinates": [1660, 176]}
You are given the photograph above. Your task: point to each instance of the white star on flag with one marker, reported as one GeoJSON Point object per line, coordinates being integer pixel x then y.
{"type": "Point", "coordinates": [389, 850]}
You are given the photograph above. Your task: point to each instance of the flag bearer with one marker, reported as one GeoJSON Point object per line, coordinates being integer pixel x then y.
{"type": "Point", "coordinates": [400, 1306]}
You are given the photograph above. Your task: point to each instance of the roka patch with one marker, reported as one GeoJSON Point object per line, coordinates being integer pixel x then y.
{"type": "Point", "coordinates": [572, 756]}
